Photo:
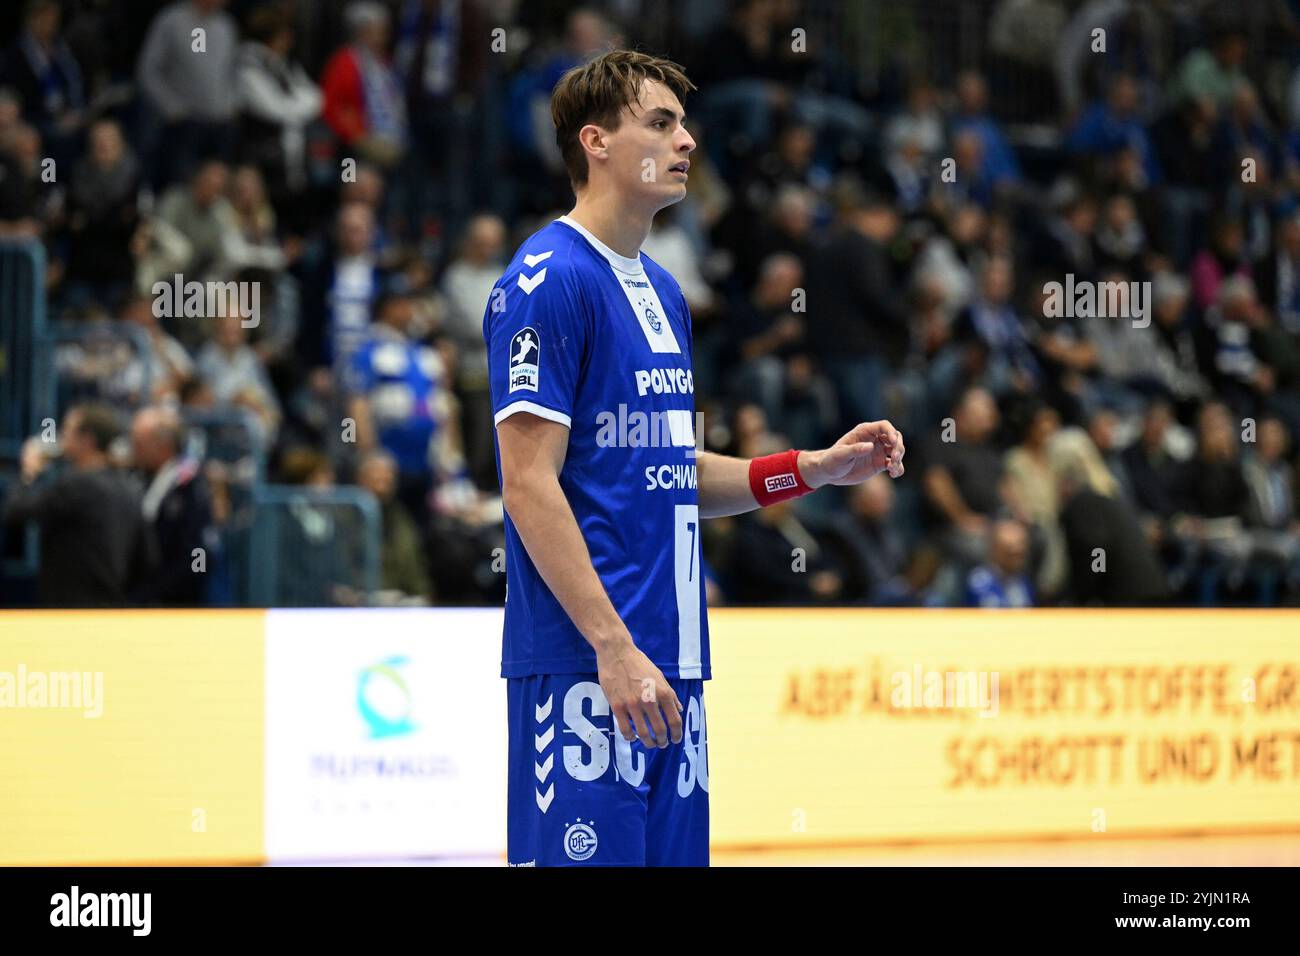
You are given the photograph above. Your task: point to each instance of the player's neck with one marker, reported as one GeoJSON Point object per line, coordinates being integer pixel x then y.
{"type": "Point", "coordinates": [621, 228]}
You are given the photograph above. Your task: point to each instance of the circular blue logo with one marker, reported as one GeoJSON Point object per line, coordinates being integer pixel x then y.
{"type": "Point", "coordinates": [579, 842]}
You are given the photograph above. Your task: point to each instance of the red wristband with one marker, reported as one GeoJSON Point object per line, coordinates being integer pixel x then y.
{"type": "Point", "coordinates": [774, 478]}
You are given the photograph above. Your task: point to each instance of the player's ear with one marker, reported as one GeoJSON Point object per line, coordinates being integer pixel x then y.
{"type": "Point", "coordinates": [592, 138]}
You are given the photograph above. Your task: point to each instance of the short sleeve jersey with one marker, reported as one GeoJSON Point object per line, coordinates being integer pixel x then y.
{"type": "Point", "coordinates": [601, 343]}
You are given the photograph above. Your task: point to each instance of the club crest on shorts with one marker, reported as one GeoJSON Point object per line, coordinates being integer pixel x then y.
{"type": "Point", "coordinates": [525, 357]}
{"type": "Point", "coordinates": [580, 841]}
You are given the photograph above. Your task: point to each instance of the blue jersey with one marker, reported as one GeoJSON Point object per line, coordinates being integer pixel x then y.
{"type": "Point", "coordinates": [986, 588]}
{"type": "Point", "coordinates": [601, 343]}
{"type": "Point", "coordinates": [403, 381]}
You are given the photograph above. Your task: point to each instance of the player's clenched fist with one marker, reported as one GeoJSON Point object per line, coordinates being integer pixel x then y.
{"type": "Point", "coordinates": [642, 702]}
{"type": "Point", "coordinates": [868, 449]}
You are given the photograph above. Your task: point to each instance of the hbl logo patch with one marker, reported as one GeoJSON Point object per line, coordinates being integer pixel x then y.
{"type": "Point", "coordinates": [525, 356]}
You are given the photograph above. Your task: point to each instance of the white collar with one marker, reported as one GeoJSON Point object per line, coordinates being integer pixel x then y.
{"type": "Point", "coordinates": [621, 263]}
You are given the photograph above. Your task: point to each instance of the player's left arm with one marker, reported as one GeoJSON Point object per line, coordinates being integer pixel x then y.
{"type": "Point", "coordinates": [732, 486]}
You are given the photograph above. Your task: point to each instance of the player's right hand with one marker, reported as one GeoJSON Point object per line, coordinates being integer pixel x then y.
{"type": "Point", "coordinates": [641, 700]}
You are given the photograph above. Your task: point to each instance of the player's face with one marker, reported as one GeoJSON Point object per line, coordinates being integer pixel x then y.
{"type": "Point", "coordinates": [649, 152]}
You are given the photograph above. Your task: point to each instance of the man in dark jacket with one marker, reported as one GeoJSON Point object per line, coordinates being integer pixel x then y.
{"type": "Point", "coordinates": [95, 545]}
{"type": "Point", "coordinates": [857, 324]}
{"type": "Point", "coordinates": [178, 507]}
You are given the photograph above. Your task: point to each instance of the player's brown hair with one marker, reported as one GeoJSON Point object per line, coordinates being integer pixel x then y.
{"type": "Point", "coordinates": [596, 92]}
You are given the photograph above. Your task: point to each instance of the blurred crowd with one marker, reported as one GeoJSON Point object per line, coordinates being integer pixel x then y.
{"type": "Point", "coordinates": [882, 199]}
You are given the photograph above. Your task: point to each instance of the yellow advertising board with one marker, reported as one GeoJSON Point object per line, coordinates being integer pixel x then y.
{"type": "Point", "coordinates": [130, 737]}
{"type": "Point", "coordinates": [853, 726]}
{"type": "Point", "coordinates": [140, 736]}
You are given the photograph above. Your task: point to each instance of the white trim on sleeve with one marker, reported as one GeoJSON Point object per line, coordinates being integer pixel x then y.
{"type": "Point", "coordinates": [541, 411]}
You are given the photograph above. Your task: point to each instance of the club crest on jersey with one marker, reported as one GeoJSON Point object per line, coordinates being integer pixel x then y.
{"type": "Point", "coordinates": [580, 841]}
{"type": "Point", "coordinates": [653, 321]}
{"type": "Point", "coordinates": [525, 357]}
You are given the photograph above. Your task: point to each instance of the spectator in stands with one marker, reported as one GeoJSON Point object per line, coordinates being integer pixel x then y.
{"type": "Point", "coordinates": [963, 480]}
{"type": "Point", "coordinates": [537, 167]}
{"type": "Point", "coordinates": [908, 170]}
{"type": "Point", "coordinates": [278, 101]}
{"type": "Point", "coordinates": [778, 559]}
{"type": "Point", "coordinates": [972, 116]}
{"type": "Point", "coordinates": [21, 207]}
{"type": "Point", "coordinates": [1243, 131]}
{"type": "Point", "coordinates": [400, 398]}
{"type": "Point", "coordinates": [103, 216]}
{"type": "Point", "coordinates": [1025, 49]}
{"type": "Point", "coordinates": [178, 508]}
{"type": "Point", "coordinates": [1104, 428]}
{"type": "Point", "coordinates": [1212, 74]}
{"type": "Point", "coordinates": [1121, 237]}
{"type": "Point", "coordinates": [231, 368]}
{"type": "Point", "coordinates": [167, 364]}
{"type": "Point", "coordinates": [1215, 263]}
{"type": "Point", "coordinates": [1153, 473]}
{"type": "Point", "coordinates": [1066, 247]}
{"type": "Point", "coordinates": [787, 226]}
{"type": "Point", "coordinates": [791, 161]}
{"type": "Point", "coordinates": [442, 62]}
{"type": "Point", "coordinates": [95, 543]}
{"type": "Point", "coordinates": [1114, 125]}
{"type": "Point", "coordinates": [402, 564]}
{"type": "Point", "coordinates": [949, 260]}
{"type": "Point", "coordinates": [1272, 512]}
{"type": "Point", "coordinates": [11, 109]}
{"type": "Point", "coordinates": [738, 74]}
{"type": "Point", "coordinates": [339, 290]}
{"type": "Point", "coordinates": [1184, 142]}
{"type": "Point", "coordinates": [878, 547]}
{"type": "Point", "coordinates": [1279, 274]}
{"type": "Point", "coordinates": [1169, 362]}
{"type": "Point", "coordinates": [974, 179]}
{"type": "Point", "coordinates": [749, 430]}
{"type": "Point", "coordinates": [363, 101]}
{"type": "Point", "coordinates": [767, 333]}
{"type": "Point", "coordinates": [991, 324]}
{"type": "Point", "coordinates": [321, 543]}
{"type": "Point", "coordinates": [1213, 502]}
{"type": "Point", "coordinates": [1121, 338]}
{"type": "Point", "coordinates": [1111, 563]}
{"type": "Point", "coordinates": [369, 188]}
{"type": "Point", "coordinates": [201, 215]}
{"type": "Point", "coordinates": [858, 327]}
{"type": "Point", "coordinates": [1032, 491]}
{"type": "Point", "coordinates": [1240, 374]}
{"type": "Point", "coordinates": [1001, 582]}
{"type": "Point", "coordinates": [256, 243]}
{"type": "Point", "coordinates": [41, 69]}
{"type": "Point", "coordinates": [194, 93]}
{"type": "Point", "coordinates": [1279, 353]}
{"type": "Point", "coordinates": [467, 286]}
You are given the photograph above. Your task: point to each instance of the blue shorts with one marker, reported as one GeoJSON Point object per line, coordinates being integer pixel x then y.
{"type": "Point", "coordinates": [580, 795]}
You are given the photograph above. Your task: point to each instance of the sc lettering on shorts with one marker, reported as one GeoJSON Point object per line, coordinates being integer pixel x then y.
{"type": "Point", "coordinates": [589, 759]}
